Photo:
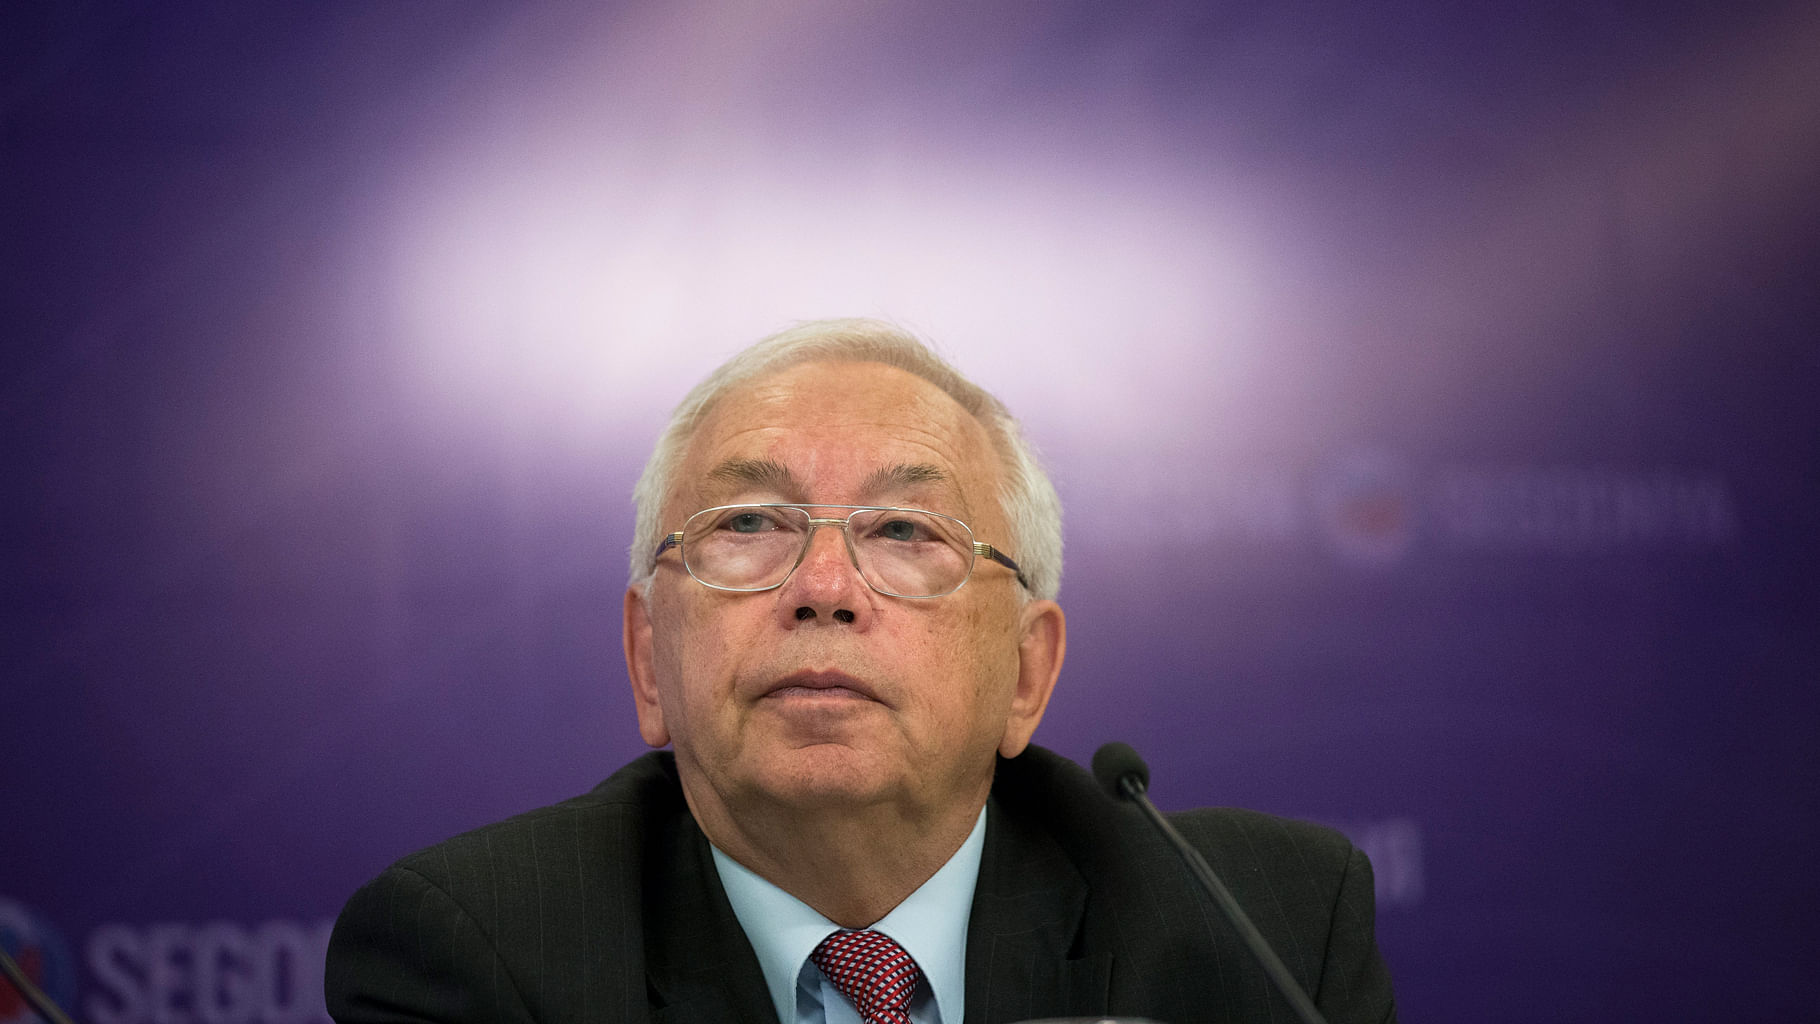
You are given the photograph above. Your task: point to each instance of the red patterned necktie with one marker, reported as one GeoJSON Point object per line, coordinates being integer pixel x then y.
{"type": "Point", "coordinates": [872, 971]}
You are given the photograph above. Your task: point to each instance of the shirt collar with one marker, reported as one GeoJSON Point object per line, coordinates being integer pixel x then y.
{"type": "Point", "coordinates": [931, 924]}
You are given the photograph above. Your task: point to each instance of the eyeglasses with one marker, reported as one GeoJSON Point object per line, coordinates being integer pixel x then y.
{"type": "Point", "coordinates": [900, 552]}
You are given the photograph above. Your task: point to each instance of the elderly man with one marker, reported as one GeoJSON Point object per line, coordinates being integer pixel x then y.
{"type": "Point", "coordinates": [842, 622]}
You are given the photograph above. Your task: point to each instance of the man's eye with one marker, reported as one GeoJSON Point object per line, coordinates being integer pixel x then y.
{"type": "Point", "coordinates": [749, 522]}
{"type": "Point", "coordinates": [899, 529]}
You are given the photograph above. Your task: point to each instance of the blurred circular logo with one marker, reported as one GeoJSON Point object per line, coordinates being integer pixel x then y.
{"type": "Point", "coordinates": [40, 951]}
{"type": "Point", "coordinates": [1364, 507]}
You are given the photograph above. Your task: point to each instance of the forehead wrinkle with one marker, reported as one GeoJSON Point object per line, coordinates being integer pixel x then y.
{"type": "Point", "coordinates": [880, 407]}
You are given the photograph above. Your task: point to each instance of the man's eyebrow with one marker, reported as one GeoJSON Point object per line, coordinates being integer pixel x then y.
{"type": "Point", "coordinates": [902, 476]}
{"type": "Point", "coordinates": [765, 474]}
{"type": "Point", "coordinates": [883, 484]}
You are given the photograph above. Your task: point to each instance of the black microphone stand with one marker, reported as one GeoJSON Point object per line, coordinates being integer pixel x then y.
{"type": "Point", "coordinates": [1120, 768]}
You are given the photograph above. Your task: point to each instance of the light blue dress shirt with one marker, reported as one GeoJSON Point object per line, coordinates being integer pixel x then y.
{"type": "Point", "coordinates": [931, 924]}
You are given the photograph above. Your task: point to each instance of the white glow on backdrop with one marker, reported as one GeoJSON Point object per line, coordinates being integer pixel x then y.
{"type": "Point", "coordinates": [577, 297]}
{"type": "Point", "coordinates": [606, 212]}
{"type": "Point", "coordinates": [561, 258]}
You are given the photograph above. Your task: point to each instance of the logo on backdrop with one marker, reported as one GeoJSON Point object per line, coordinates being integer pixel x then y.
{"type": "Point", "coordinates": [1365, 509]}
{"type": "Point", "coordinates": [215, 972]}
{"type": "Point", "coordinates": [41, 952]}
{"type": "Point", "coordinates": [218, 972]}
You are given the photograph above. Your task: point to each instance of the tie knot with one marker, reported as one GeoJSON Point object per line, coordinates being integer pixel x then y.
{"type": "Point", "coordinates": [871, 970]}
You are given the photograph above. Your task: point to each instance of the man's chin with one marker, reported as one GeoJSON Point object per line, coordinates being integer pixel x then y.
{"type": "Point", "coordinates": [830, 777]}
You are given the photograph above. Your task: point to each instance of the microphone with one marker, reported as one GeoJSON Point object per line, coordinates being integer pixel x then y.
{"type": "Point", "coordinates": [1125, 775]}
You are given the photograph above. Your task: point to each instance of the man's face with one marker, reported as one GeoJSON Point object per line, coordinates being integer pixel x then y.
{"type": "Point", "coordinates": [822, 692]}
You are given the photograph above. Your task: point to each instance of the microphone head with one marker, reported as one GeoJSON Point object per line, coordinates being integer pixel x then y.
{"type": "Point", "coordinates": [1116, 761]}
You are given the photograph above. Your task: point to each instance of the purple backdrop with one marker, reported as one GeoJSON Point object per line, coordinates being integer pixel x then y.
{"type": "Point", "coordinates": [1431, 389]}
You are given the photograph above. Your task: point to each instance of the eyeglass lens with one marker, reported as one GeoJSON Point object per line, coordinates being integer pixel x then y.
{"type": "Point", "coordinates": [900, 552]}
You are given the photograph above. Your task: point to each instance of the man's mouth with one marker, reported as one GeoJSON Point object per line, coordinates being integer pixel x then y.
{"type": "Point", "coordinates": [822, 685]}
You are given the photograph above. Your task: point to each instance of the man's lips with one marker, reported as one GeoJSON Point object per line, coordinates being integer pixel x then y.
{"type": "Point", "coordinates": [821, 684]}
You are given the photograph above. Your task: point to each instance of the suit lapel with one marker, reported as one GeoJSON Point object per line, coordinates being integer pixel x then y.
{"type": "Point", "coordinates": [698, 963]}
{"type": "Point", "coordinates": [1027, 910]}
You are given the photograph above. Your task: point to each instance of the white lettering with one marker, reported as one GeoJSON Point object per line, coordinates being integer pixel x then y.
{"type": "Point", "coordinates": [1394, 846]}
{"type": "Point", "coordinates": [111, 949]}
{"type": "Point", "coordinates": [1197, 510]}
{"type": "Point", "coordinates": [1395, 849]}
{"type": "Point", "coordinates": [216, 973]}
{"type": "Point", "coordinates": [222, 975]}
{"type": "Point", "coordinates": [1582, 510]}
{"type": "Point", "coordinates": [1256, 508]}
{"type": "Point", "coordinates": [168, 954]}
{"type": "Point", "coordinates": [291, 989]}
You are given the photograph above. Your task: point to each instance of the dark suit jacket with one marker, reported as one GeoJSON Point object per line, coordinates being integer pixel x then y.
{"type": "Point", "coordinates": [607, 907]}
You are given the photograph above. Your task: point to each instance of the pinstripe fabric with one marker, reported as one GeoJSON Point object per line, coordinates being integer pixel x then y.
{"type": "Point", "coordinates": [1082, 910]}
{"type": "Point", "coordinates": [607, 908]}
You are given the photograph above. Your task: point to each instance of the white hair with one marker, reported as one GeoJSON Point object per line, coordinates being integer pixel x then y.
{"type": "Point", "coordinates": [1027, 498]}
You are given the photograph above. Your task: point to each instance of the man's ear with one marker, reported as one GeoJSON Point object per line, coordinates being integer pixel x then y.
{"type": "Point", "coordinates": [1042, 641]}
{"type": "Point", "coordinates": [639, 667]}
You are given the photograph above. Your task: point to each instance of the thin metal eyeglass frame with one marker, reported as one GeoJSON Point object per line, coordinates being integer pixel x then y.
{"type": "Point", "coordinates": [980, 548]}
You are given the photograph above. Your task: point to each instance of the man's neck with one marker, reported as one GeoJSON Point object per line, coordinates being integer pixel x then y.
{"type": "Point", "coordinates": [853, 866]}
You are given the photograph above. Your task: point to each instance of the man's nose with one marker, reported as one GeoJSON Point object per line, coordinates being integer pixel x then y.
{"type": "Point", "coordinates": [826, 586]}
